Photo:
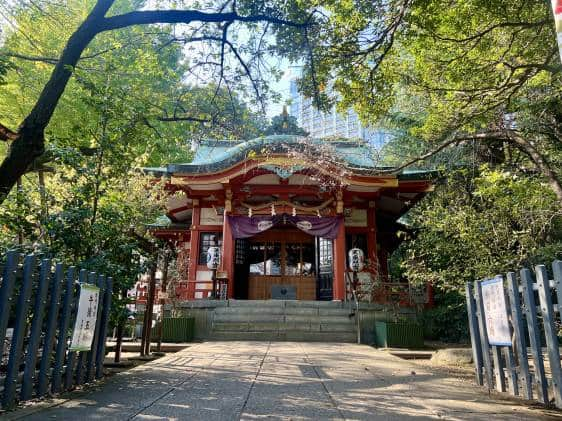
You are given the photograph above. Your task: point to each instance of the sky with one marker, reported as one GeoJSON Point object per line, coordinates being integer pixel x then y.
{"type": "Point", "coordinates": [282, 88]}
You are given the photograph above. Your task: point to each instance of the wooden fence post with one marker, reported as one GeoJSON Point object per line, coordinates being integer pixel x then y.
{"type": "Point", "coordinates": [35, 333]}
{"type": "Point", "coordinates": [100, 351]}
{"type": "Point", "coordinates": [520, 342]}
{"type": "Point", "coordinates": [16, 348]}
{"type": "Point", "coordinates": [91, 361]}
{"type": "Point", "coordinates": [547, 311]}
{"type": "Point", "coordinates": [498, 368]}
{"type": "Point", "coordinates": [35, 330]}
{"type": "Point", "coordinates": [6, 291]}
{"type": "Point", "coordinates": [68, 375]}
{"type": "Point", "coordinates": [534, 338]}
{"type": "Point", "coordinates": [557, 273]}
{"type": "Point", "coordinates": [511, 370]}
{"type": "Point", "coordinates": [56, 284]}
{"type": "Point", "coordinates": [474, 334]}
{"type": "Point", "coordinates": [483, 335]}
{"type": "Point", "coordinates": [63, 330]}
{"type": "Point", "coordinates": [82, 356]}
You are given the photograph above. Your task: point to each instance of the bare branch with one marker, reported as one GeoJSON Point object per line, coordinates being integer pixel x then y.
{"type": "Point", "coordinates": [48, 60]}
{"type": "Point", "coordinates": [184, 118]}
{"type": "Point", "coordinates": [425, 156]}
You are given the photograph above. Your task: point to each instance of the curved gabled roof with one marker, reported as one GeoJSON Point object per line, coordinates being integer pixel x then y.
{"type": "Point", "coordinates": [217, 155]}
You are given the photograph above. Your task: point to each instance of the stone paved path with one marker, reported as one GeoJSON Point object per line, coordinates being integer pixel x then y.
{"type": "Point", "coordinates": [283, 380]}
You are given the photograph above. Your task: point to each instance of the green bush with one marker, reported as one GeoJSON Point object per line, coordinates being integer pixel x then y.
{"type": "Point", "coordinates": [447, 321]}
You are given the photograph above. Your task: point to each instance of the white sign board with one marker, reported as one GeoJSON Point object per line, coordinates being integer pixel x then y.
{"type": "Point", "coordinates": [495, 312]}
{"type": "Point", "coordinates": [86, 317]}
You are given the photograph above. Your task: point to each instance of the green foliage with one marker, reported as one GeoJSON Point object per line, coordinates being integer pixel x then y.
{"type": "Point", "coordinates": [127, 105]}
{"type": "Point", "coordinates": [448, 322]}
{"type": "Point", "coordinates": [5, 65]}
{"type": "Point", "coordinates": [480, 223]}
{"type": "Point", "coordinates": [431, 72]}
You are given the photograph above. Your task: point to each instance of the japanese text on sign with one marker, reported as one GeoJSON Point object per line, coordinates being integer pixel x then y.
{"type": "Point", "coordinates": [86, 318]}
{"type": "Point", "coordinates": [495, 312]}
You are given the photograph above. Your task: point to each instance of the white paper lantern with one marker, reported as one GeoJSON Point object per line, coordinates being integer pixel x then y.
{"type": "Point", "coordinates": [213, 257]}
{"type": "Point", "coordinates": [356, 260]}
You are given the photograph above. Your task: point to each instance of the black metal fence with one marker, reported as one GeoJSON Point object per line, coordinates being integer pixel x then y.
{"type": "Point", "coordinates": [38, 306]}
{"type": "Point", "coordinates": [534, 330]}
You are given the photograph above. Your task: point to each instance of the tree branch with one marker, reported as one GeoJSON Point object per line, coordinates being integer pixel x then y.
{"type": "Point", "coordinates": [426, 155]}
{"type": "Point", "coordinates": [48, 60]}
{"type": "Point", "coordinates": [147, 17]}
{"type": "Point", "coordinates": [184, 118]}
{"type": "Point", "coordinates": [30, 142]}
{"type": "Point", "coordinates": [482, 33]}
{"type": "Point", "coordinates": [7, 134]}
{"type": "Point", "coordinates": [512, 136]}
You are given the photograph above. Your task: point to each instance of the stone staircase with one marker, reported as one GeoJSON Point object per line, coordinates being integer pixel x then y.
{"type": "Point", "coordinates": [284, 320]}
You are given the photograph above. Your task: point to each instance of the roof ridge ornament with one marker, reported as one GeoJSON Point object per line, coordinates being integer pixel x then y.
{"type": "Point", "coordinates": [282, 171]}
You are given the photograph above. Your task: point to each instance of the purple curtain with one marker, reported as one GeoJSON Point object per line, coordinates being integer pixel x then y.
{"type": "Point", "coordinates": [245, 226]}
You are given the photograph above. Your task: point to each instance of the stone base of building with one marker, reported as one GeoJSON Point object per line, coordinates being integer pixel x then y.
{"type": "Point", "coordinates": [286, 320]}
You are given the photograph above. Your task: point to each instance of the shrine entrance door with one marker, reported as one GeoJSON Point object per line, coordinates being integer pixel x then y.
{"type": "Point", "coordinates": [281, 265]}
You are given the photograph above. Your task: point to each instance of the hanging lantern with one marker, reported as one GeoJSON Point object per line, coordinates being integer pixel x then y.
{"type": "Point", "coordinates": [273, 213]}
{"type": "Point", "coordinates": [356, 260]}
{"type": "Point", "coordinates": [250, 212]}
{"type": "Point", "coordinates": [213, 257]}
{"type": "Point", "coordinates": [294, 212]}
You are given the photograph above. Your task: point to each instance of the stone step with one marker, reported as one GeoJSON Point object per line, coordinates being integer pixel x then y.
{"type": "Point", "coordinates": [285, 304]}
{"type": "Point", "coordinates": [347, 337]}
{"type": "Point", "coordinates": [297, 311]}
{"type": "Point", "coordinates": [250, 310]}
{"type": "Point", "coordinates": [319, 319]}
{"type": "Point", "coordinates": [243, 326]}
{"type": "Point", "coordinates": [282, 318]}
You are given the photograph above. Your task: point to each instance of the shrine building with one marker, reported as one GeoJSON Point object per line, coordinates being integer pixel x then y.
{"type": "Point", "coordinates": [284, 211]}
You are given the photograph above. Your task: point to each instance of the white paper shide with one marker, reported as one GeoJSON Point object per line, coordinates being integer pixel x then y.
{"type": "Point", "coordinates": [495, 312]}
{"type": "Point", "coordinates": [86, 318]}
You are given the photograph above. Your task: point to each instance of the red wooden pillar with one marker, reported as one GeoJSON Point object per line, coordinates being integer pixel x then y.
{"type": "Point", "coordinates": [339, 264]}
{"type": "Point", "coordinates": [227, 261]}
{"type": "Point", "coordinates": [194, 248]}
{"type": "Point", "coordinates": [372, 240]}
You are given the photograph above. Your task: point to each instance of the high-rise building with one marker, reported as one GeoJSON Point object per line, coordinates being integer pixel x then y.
{"type": "Point", "coordinates": [332, 124]}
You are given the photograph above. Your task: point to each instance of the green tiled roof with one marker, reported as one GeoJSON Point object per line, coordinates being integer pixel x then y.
{"type": "Point", "coordinates": [215, 155]}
